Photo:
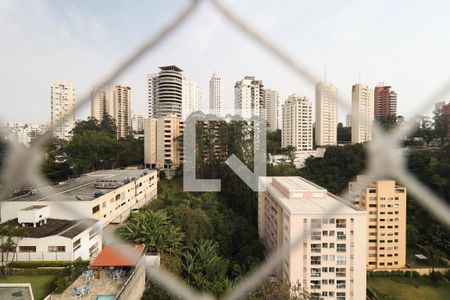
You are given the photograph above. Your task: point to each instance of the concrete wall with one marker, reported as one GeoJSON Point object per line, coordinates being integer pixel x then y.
{"type": "Point", "coordinates": [135, 286]}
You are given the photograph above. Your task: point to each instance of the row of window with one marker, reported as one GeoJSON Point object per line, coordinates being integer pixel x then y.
{"type": "Point", "coordinates": [50, 248]}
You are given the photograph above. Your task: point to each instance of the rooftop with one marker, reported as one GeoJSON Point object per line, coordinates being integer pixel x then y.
{"type": "Point", "coordinates": [65, 228]}
{"type": "Point", "coordinates": [111, 256]}
{"type": "Point", "coordinates": [83, 188]}
{"type": "Point", "coordinates": [307, 197]}
{"type": "Point", "coordinates": [171, 68]}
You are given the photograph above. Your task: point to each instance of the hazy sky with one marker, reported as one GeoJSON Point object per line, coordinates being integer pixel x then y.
{"type": "Point", "coordinates": [405, 44]}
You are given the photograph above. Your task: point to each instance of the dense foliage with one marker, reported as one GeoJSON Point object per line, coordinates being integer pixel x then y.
{"type": "Point", "coordinates": [93, 146]}
{"type": "Point", "coordinates": [218, 245]}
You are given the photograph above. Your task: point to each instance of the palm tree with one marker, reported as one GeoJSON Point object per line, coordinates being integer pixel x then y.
{"type": "Point", "coordinates": [10, 237]}
{"type": "Point", "coordinates": [155, 230]}
{"type": "Point", "coordinates": [202, 266]}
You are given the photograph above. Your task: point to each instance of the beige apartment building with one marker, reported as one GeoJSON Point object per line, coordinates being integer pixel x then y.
{"type": "Point", "coordinates": [162, 148]}
{"type": "Point", "coordinates": [326, 114]}
{"type": "Point", "coordinates": [297, 123]}
{"type": "Point", "coordinates": [271, 100]}
{"type": "Point", "coordinates": [330, 261]}
{"type": "Point", "coordinates": [62, 96]}
{"type": "Point", "coordinates": [362, 113]}
{"type": "Point", "coordinates": [114, 101]}
{"type": "Point", "coordinates": [385, 203]}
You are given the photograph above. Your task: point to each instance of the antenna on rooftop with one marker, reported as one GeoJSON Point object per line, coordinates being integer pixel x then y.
{"type": "Point", "coordinates": [325, 71]}
{"type": "Point", "coordinates": [359, 77]}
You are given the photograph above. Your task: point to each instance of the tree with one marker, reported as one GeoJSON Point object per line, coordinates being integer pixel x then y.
{"type": "Point", "coordinates": [155, 231]}
{"type": "Point", "coordinates": [91, 124]}
{"type": "Point", "coordinates": [202, 266]}
{"type": "Point", "coordinates": [108, 125]}
{"type": "Point", "coordinates": [9, 237]}
{"type": "Point", "coordinates": [275, 289]}
{"type": "Point", "coordinates": [441, 125]}
{"type": "Point", "coordinates": [344, 134]}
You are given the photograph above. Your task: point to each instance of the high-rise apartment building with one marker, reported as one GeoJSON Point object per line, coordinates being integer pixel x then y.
{"type": "Point", "coordinates": [348, 120]}
{"type": "Point", "coordinates": [161, 146]}
{"type": "Point", "coordinates": [271, 101]}
{"type": "Point", "coordinates": [330, 261]}
{"type": "Point", "coordinates": [297, 123]}
{"type": "Point", "coordinates": [326, 114]}
{"type": "Point", "coordinates": [385, 104]}
{"type": "Point", "coordinates": [114, 101]}
{"type": "Point", "coordinates": [165, 92]}
{"type": "Point", "coordinates": [445, 112]}
{"type": "Point", "coordinates": [385, 203]}
{"type": "Point", "coordinates": [216, 95]}
{"type": "Point", "coordinates": [362, 113]}
{"type": "Point", "coordinates": [137, 123]}
{"type": "Point", "coordinates": [62, 103]}
{"type": "Point", "coordinates": [249, 97]}
{"type": "Point", "coordinates": [192, 95]}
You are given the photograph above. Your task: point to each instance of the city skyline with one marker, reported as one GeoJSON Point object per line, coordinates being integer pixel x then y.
{"type": "Point", "coordinates": [80, 27]}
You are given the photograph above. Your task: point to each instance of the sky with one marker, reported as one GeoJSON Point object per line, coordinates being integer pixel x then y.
{"type": "Point", "coordinates": [405, 44]}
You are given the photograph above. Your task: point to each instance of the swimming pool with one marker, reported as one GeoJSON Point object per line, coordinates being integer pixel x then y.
{"type": "Point", "coordinates": [105, 297]}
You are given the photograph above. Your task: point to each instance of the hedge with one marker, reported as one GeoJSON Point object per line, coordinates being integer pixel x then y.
{"type": "Point", "coordinates": [47, 264]}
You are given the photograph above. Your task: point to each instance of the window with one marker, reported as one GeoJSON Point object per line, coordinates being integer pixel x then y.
{"type": "Point", "coordinates": [76, 244]}
{"type": "Point", "coordinates": [93, 233]}
{"type": "Point", "coordinates": [103, 204]}
{"type": "Point", "coordinates": [315, 248]}
{"type": "Point", "coordinates": [27, 248]}
{"type": "Point", "coordinates": [316, 235]}
{"type": "Point", "coordinates": [315, 260]}
{"type": "Point", "coordinates": [341, 223]}
{"type": "Point", "coordinates": [340, 272]}
{"type": "Point", "coordinates": [341, 260]}
{"type": "Point", "coordinates": [315, 223]}
{"type": "Point", "coordinates": [341, 248]}
{"type": "Point", "coordinates": [56, 248]}
{"type": "Point", "coordinates": [341, 235]}
{"type": "Point", "coordinates": [315, 272]}
{"type": "Point", "coordinates": [340, 295]}
{"type": "Point", "coordinates": [93, 249]}
{"type": "Point", "coordinates": [95, 209]}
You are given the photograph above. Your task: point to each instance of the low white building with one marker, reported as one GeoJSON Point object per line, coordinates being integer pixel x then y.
{"type": "Point", "coordinates": [48, 239]}
{"type": "Point", "coordinates": [107, 195]}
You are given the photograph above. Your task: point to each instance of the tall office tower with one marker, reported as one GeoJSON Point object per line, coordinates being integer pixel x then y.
{"type": "Point", "coordinates": [385, 102]}
{"type": "Point", "coordinates": [248, 96]}
{"type": "Point", "coordinates": [216, 95]}
{"type": "Point", "coordinates": [362, 113]}
{"type": "Point", "coordinates": [326, 114]}
{"type": "Point", "coordinates": [297, 123]}
{"type": "Point", "coordinates": [272, 109]}
{"type": "Point", "coordinates": [445, 111]}
{"type": "Point", "coordinates": [348, 120]}
{"type": "Point", "coordinates": [165, 92]}
{"type": "Point", "coordinates": [330, 261]}
{"type": "Point", "coordinates": [114, 101]}
{"type": "Point", "coordinates": [385, 203]}
{"type": "Point", "coordinates": [161, 147]}
{"type": "Point", "coordinates": [62, 102]}
{"type": "Point", "coordinates": [192, 98]}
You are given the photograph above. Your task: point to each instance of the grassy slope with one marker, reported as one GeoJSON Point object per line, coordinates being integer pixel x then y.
{"type": "Point", "coordinates": [409, 288]}
{"type": "Point", "coordinates": [39, 283]}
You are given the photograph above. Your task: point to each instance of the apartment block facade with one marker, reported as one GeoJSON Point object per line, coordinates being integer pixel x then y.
{"type": "Point", "coordinates": [326, 114]}
{"type": "Point", "coordinates": [297, 123]}
{"type": "Point", "coordinates": [385, 104]}
{"type": "Point", "coordinates": [114, 101]}
{"type": "Point", "coordinates": [385, 203]}
{"type": "Point", "coordinates": [329, 261]}
{"type": "Point", "coordinates": [62, 96]}
{"type": "Point", "coordinates": [192, 98]}
{"type": "Point", "coordinates": [272, 109]}
{"type": "Point", "coordinates": [249, 97]}
{"type": "Point", "coordinates": [362, 113]}
{"type": "Point", "coordinates": [216, 95]}
{"type": "Point", "coordinates": [161, 146]}
{"type": "Point", "coordinates": [165, 92]}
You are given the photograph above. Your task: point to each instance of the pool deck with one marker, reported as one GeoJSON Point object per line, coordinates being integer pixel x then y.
{"type": "Point", "coordinates": [99, 286]}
